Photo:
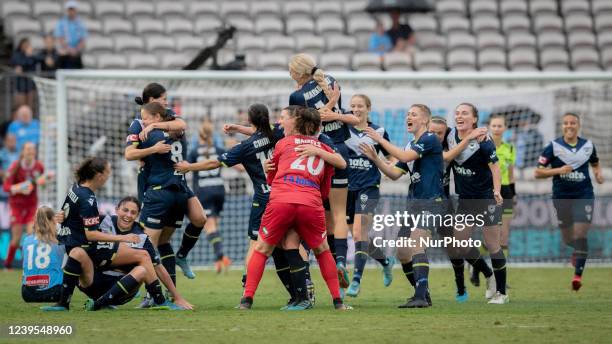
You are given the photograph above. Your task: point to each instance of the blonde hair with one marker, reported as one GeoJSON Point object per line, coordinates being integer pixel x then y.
{"type": "Point", "coordinates": [206, 134]}
{"type": "Point", "coordinates": [44, 225]}
{"type": "Point", "coordinates": [305, 66]}
{"type": "Point", "coordinates": [425, 109]}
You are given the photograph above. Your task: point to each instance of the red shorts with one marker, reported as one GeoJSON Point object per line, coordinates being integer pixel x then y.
{"type": "Point", "coordinates": [308, 222]}
{"type": "Point", "coordinates": [22, 215]}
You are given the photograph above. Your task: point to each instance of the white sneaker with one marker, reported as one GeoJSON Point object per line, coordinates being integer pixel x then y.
{"type": "Point", "coordinates": [491, 287]}
{"type": "Point", "coordinates": [499, 299]}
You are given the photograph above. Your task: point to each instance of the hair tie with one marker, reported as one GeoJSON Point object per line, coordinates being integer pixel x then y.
{"type": "Point", "coordinates": [314, 69]}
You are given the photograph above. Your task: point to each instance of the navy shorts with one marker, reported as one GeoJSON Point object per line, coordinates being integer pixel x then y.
{"type": "Point", "coordinates": [100, 253]}
{"type": "Point", "coordinates": [212, 202]}
{"type": "Point", "coordinates": [362, 201]}
{"type": "Point", "coordinates": [340, 177]}
{"type": "Point", "coordinates": [142, 184]}
{"type": "Point", "coordinates": [102, 282]}
{"type": "Point", "coordinates": [429, 214]}
{"type": "Point", "coordinates": [164, 207]}
{"type": "Point", "coordinates": [487, 209]}
{"type": "Point", "coordinates": [570, 211]}
{"type": "Point", "coordinates": [257, 210]}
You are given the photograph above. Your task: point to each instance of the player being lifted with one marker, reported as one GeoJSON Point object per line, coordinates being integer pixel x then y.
{"type": "Point", "coordinates": [566, 159]}
{"type": "Point", "coordinates": [422, 159]}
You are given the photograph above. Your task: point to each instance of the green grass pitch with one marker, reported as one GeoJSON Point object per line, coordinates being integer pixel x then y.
{"type": "Point", "coordinates": [542, 309]}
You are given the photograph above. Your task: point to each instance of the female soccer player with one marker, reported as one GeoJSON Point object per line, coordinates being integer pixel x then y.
{"type": "Point", "coordinates": [42, 260]}
{"type": "Point", "coordinates": [315, 91]}
{"type": "Point", "coordinates": [423, 160]}
{"type": "Point", "coordinates": [210, 190]}
{"type": "Point", "coordinates": [137, 133]}
{"type": "Point", "coordinates": [22, 179]}
{"type": "Point", "coordinates": [87, 246]}
{"type": "Point", "coordinates": [299, 185]}
{"type": "Point", "coordinates": [478, 183]}
{"type": "Point", "coordinates": [567, 159]}
{"type": "Point", "coordinates": [364, 193]}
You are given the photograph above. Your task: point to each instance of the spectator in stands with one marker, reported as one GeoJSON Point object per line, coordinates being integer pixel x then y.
{"type": "Point", "coordinates": [402, 35]}
{"type": "Point", "coordinates": [24, 61]}
{"type": "Point", "coordinates": [529, 141]}
{"type": "Point", "coordinates": [24, 127]}
{"type": "Point", "coordinates": [71, 34]}
{"type": "Point", "coordinates": [380, 43]}
{"type": "Point", "coordinates": [48, 56]}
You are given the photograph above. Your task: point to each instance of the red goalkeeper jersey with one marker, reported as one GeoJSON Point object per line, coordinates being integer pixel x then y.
{"type": "Point", "coordinates": [18, 173]}
{"type": "Point", "coordinates": [299, 180]}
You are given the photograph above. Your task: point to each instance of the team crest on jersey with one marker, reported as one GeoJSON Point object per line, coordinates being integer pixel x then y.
{"type": "Point", "coordinates": [364, 200]}
{"type": "Point", "coordinates": [491, 209]}
{"type": "Point", "coordinates": [91, 201]}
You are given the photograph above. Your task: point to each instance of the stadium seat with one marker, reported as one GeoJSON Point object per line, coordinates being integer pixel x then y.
{"type": "Point", "coordinates": [16, 9]}
{"type": "Point", "coordinates": [297, 9]}
{"type": "Point", "coordinates": [174, 26]}
{"type": "Point", "coordinates": [93, 26]}
{"type": "Point", "coordinates": [266, 9]}
{"type": "Point", "coordinates": [97, 44]}
{"type": "Point", "coordinates": [461, 60]}
{"type": "Point", "coordinates": [601, 6]}
{"type": "Point", "coordinates": [113, 26]}
{"type": "Point", "coordinates": [109, 9]}
{"type": "Point", "coordinates": [273, 61]}
{"type": "Point", "coordinates": [46, 9]}
{"type": "Point", "coordinates": [207, 25]}
{"type": "Point", "coordinates": [37, 42]}
{"type": "Point", "coordinates": [21, 27]}
{"type": "Point", "coordinates": [551, 40]}
{"type": "Point", "coordinates": [575, 6]}
{"type": "Point", "coordinates": [86, 9]}
{"type": "Point", "coordinates": [242, 25]}
{"type": "Point", "coordinates": [397, 62]}
{"type": "Point", "coordinates": [281, 44]}
{"type": "Point", "coordinates": [463, 41]}
{"type": "Point", "coordinates": [170, 9]}
{"type": "Point", "coordinates": [523, 60]}
{"type": "Point", "coordinates": [604, 40]}
{"type": "Point", "coordinates": [521, 40]}
{"type": "Point", "coordinates": [430, 41]}
{"type": "Point", "coordinates": [353, 7]}
{"type": "Point", "coordinates": [148, 26]}
{"type": "Point", "coordinates": [139, 9]}
{"type": "Point", "coordinates": [49, 24]}
{"type": "Point", "coordinates": [160, 44]}
{"type": "Point", "coordinates": [512, 7]}
{"type": "Point", "coordinates": [429, 61]}
{"type": "Point", "coordinates": [360, 25]}
{"type": "Point", "coordinates": [334, 61]}
{"type": "Point", "coordinates": [603, 22]}
{"type": "Point", "coordinates": [486, 23]}
{"type": "Point", "coordinates": [341, 44]}
{"type": "Point", "coordinates": [578, 40]}
{"type": "Point", "coordinates": [300, 26]}
{"type": "Point", "coordinates": [250, 44]}
{"type": "Point", "coordinates": [128, 44]}
{"type": "Point", "coordinates": [313, 45]}
{"type": "Point", "coordinates": [203, 9]}
{"type": "Point", "coordinates": [328, 25]}
{"type": "Point", "coordinates": [492, 60]}
{"type": "Point", "coordinates": [189, 45]}
{"type": "Point", "coordinates": [490, 40]}
{"type": "Point", "coordinates": [606, 58]}
{"type": "Point", "coordinates": [324, 9]}
{"type": "Point", "coordinates": [268, 26]}
{"type": "Point", "coordinates": [454, 24]}
{"type": "Point", "coordinates": [174, 61]}
{"type": "Point", "coordinates": [234, 9]}
{"type": "Point", "coordinates": [585, 60]}
{"type": "Point", "coordinates": [423, 23]}
{"type": "Point", "coordinates": [89, 61]}
{"type": "Point", "coordinates": [366, 62]}
{"type": "Point", "coordinates": [446, 8]}
{"type": "Point", "coordinates": [578, 22]}
{"type": "Point", "coordinates": [516, 23]}
{"type": "Point", "coordinates": [143, 61]}
{"type": "Point", "coordinates": [112, 61]}
{"type": "Point", "coordinates": [542, 7]}
{"type": "Point", "coordinates": [483, 8]}
{"type": "Point", "coordinates": [547, 23]}
{"type": "Point", "coordinates": [554, 60]}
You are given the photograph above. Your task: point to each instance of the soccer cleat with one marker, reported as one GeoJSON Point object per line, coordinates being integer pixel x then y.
{"type": "Point", "coordinates": [245, 303]}
{"type": "Point", "coordinates": [414, 302]}
{"type": "Point", "coordinates": [499, 299]}
{"type": "Point", "coordinates": [474, 277]}
{"type": "Point", "coordinates": [462, 298]}
{"type": "Point", "coordinates": [54, 308]}
{"type": "Point", "coordinates": [300, 306]}
{"type": "Point", "coordinates": [341, 306]}
{"type": "Point", "coordinates": [576, 283]}
{"type": "Point", "coordinates": [388, 271]}
{"type": "Point", "coordinates": [310, 287]}
{"type": "Point", "coordinates": [90, 305]}
{"type": "Point", "coordinates": [289, 303]}
{"type": "Point", "coordinates": [147, 302]}
{"type": "Point", "coordinates": [491, 287]}
{"type": "Point", "coordinates": [353, 289]}
{"type": "Point", "coordinates": [167, 306]}
{"type": "Point", "coordinates": [343, 275]}
{"type": "Point", "coordinates": [182, 263]}
{"type": "Point", "coordinates": [223, 264]}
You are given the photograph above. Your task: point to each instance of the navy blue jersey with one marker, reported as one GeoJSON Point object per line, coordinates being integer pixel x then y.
{"type": "Point", "coordinates": [206, 181]}
{"type": "Point", "coordinates": [109, 225]}
{"type": "Point", "coordinates": [80, 215]}
{"type": "Point", "coordinates": [252, 153]}
{"type": "Point", "coordinates": [576, 184]}
{"type": "Point", "coordinates": [363, 172]}
{"type": "Point", "coordinates": [311, 95]}
{"type": "Point", "coordinates": [160, 167]}
{"type": "Point", "coordinates": [473, 177]}
{"type": "Point", "coordinates": [136, 127]}
{"type": "Point", "coordinates": [426, 172]}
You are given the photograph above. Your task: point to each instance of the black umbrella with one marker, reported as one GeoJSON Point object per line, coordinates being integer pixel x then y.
{"type": "Point", "coordinates": [403, 6]}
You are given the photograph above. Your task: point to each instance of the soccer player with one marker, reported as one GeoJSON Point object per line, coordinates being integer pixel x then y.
{"type": "Point", "coordinates": [299, 185]}
{"type": "Point", "coordinates": [210, 190]}
{"type": "Point", "coordinates": [364, 193]}
{"type": "Point", "coordinates": [42, 260]}
{"type": "Point", "coordinates": [567, 159]}
{"type": "Point", "coordinates": [87, 246]}
{"type": "Point", "coordinates": [137, 133]}
{"type": "Point", "coordinates": [320, 91]}
{"type": "Point", "coordinates": [21, 182]}
{"type": "Point", "coordinates": [422, 159]}
{"type": "Point", "coordinates": [478, 183]}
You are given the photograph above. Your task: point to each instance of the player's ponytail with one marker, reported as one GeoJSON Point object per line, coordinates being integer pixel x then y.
{"type": "Point", "coordinates": [259, 116]}
{"type": "Point", "coordinates": [44, 225]}
{"type": "Point", "coordinates": [89, 169]}
{"type": "Point", "coordinates": [206, 135]}
{"type": "Point", "coordinates": [304, 66]}
{"type": "Point", "coordinates": [152, 90]}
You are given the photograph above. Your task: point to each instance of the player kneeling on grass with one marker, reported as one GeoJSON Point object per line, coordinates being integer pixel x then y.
{"type": "Point", "coordinates": [299, 186]}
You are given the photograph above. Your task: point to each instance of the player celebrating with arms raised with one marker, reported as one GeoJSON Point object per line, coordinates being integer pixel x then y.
{"type": "Point", "coordinates": [567, 160]}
